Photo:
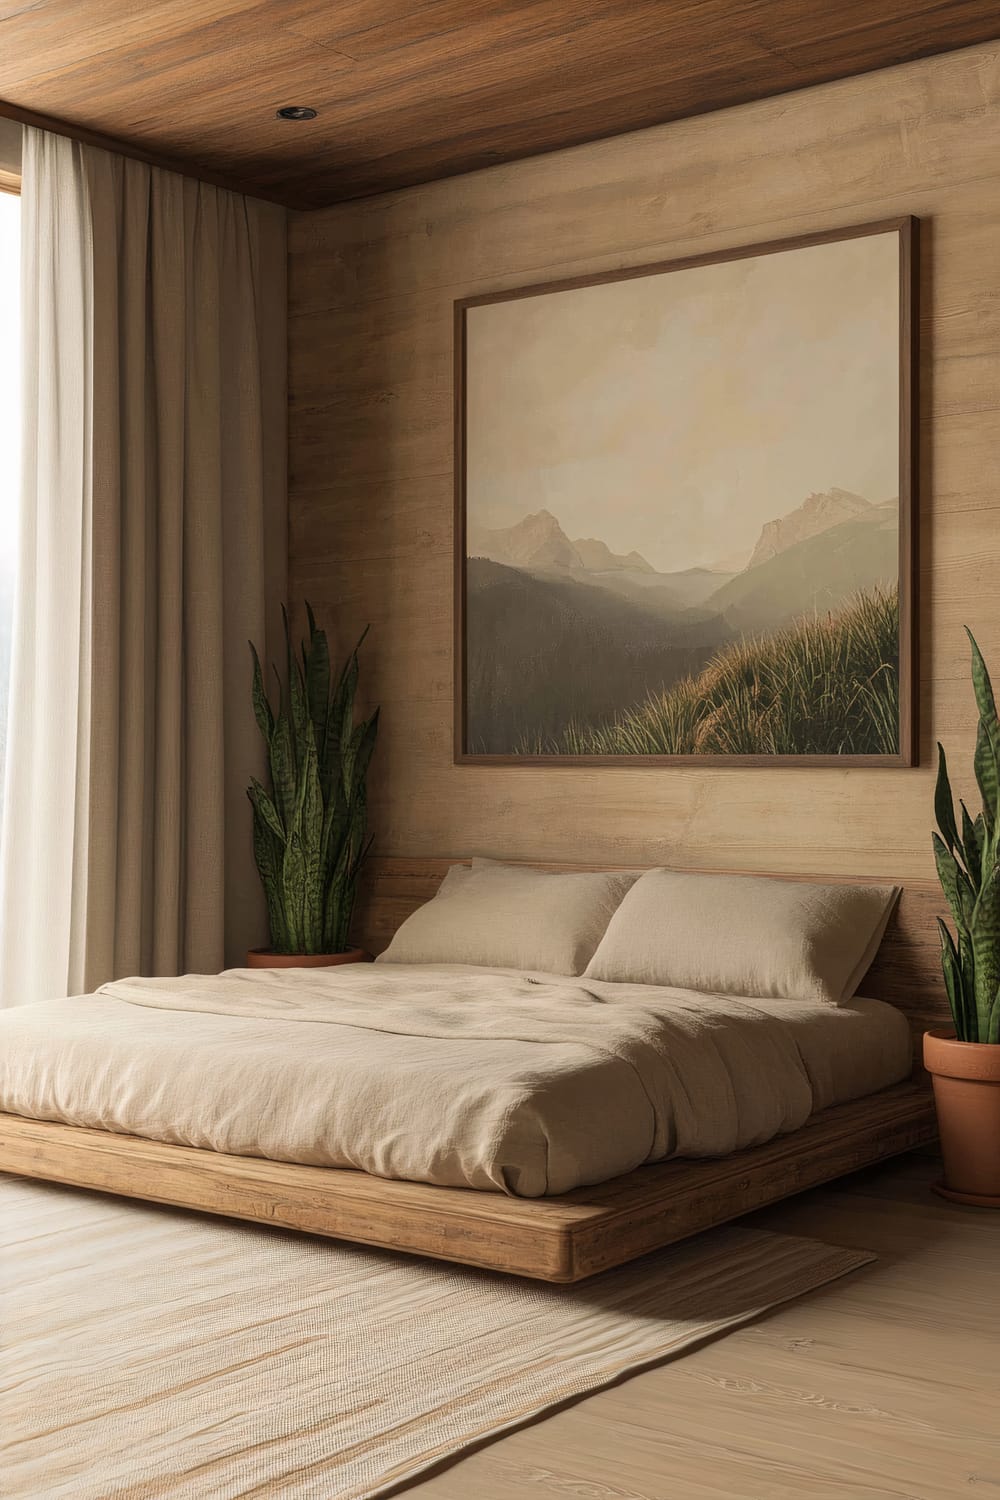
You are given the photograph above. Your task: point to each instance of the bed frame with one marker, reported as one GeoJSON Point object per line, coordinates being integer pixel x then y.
{"type": "Point", "coordinates": [560, 1239]}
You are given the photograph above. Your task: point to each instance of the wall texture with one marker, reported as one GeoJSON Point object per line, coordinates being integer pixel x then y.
{"type": "Point", "coordinates": [372, 286]}
{"type": "Point", "coordinates": [10, 147]}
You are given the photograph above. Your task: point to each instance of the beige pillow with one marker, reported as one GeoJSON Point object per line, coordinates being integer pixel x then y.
{"type": "Point", "coordinates": [510, 917]}
{"type": "Point", "coordinates": [745, 935]}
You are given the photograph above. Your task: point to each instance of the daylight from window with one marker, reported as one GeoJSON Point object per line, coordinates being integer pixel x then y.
{"type": "Point", "coordinates": [10, 437]}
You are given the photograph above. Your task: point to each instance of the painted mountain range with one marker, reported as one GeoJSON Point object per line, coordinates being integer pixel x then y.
{"type": "Point", "coordinates": [540, 542]}
{"type": "Point", "coordinates": [565, 631]}
{"type": "Point", "coordinates": [817, 513]}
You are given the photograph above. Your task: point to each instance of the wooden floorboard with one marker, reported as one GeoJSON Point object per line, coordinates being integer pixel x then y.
{"type": "Point", "coordinates": [884, 1386]}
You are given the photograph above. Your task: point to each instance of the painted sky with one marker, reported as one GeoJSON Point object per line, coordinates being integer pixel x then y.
{"type": "Point", "coordinates": [675, 414]}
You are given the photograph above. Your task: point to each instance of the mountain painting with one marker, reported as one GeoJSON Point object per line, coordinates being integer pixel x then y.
{"type": "Point", "coordinates": [684, 510]}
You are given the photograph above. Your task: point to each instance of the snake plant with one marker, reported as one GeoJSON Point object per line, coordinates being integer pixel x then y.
{"type": "Point", "coordinates": [309, 827]}
{"type": "Point", "coordinates": [968, 866]}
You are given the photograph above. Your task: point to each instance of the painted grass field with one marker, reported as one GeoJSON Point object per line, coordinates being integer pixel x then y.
{"type": "Point", "coordinates": [823, 686]}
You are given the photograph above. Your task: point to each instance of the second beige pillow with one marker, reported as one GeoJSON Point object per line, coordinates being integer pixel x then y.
{"type": "Point", "coordinates": [745, 935]}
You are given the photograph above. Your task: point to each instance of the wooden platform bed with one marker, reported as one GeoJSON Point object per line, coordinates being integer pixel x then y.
{"type": "Point", "coordinates": [562, 1239]}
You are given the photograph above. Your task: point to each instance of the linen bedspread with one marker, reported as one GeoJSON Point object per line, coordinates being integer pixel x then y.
{"type": "Point", "coordinates": [490, 1080]}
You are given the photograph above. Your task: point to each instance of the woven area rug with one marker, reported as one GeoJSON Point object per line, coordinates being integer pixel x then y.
{"type": "Point", "coordinates": [152, 1353]}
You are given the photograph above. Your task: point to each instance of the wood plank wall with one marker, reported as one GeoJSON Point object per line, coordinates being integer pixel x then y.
{"type": "Point", "coordinates": [372, 285]}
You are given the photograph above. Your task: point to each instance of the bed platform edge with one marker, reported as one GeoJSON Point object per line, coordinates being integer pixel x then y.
{"type": "Point", "coordinates": [561, 1239]}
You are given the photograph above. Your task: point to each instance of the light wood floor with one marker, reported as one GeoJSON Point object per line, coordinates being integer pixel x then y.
{"type": "Point", "coordinates": [885, 1386]}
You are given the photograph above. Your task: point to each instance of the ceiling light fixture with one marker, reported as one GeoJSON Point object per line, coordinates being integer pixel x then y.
{"type": "Point", "coordinates": [296, 112]}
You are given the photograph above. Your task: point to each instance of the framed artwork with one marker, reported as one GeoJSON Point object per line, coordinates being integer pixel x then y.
{"type": "Point", "coordinates": [685, 510]}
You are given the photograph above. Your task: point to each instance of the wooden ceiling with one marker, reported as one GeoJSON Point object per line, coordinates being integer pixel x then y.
{"type": "Point", "coordinates": [409, 90]}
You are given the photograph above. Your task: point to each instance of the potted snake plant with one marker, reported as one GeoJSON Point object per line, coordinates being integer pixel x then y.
{"type": "Point", "coordinates": [965, 1064]}
{"type": "Point", "coordinates": [309, 824]}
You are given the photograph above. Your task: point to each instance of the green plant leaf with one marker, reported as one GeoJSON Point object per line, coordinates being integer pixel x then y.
{"type": "Point", "coordinates": [944, 806]}
{"type": "Point", "coordinates": [993, 1023]}
{"type": "Point", "coordinates": [983, 687]}
{"type": "Point", "coordinates": [297, 700]}
{"type": "Point", "coordinates": [317, 674]}
{"type": "Point", "coordinates": [987, 768]}
{"type": "Point", "coordinates": [340, 711]}
{"type": "Point", "coordinates": [954, 882]}
{"type": "Point", "coordinates": [984, 931]}
{"type": "Point", "coordinates": [311, 833]}
{"type": "Point", "coordinates": [364, 750]}
{"type": "Point", "coordinates": [972, 848]}
{"type": "Point", "coordinates": [261, 707]}
{"type": "Point", "coordinates": [334, 923]}
{"type": "Point", "coordinates": [293, 877]}
{"type": "Point", "coordinates": [267, 854]}
{"type": "Point", "coordinates": [350, 746]}
{"type": "Point", "coordinates": [953, 983]}
{"type": "Point", "coordinates": [282, 765]}
{"type": "Point", "coordinates": [967, 970]}
{"type": "Point", "coordinates": [361, 856]}
{"type": "Point", "coordinates": [263, 805]}
{"type": "Point", "coordinates": [987, 756]}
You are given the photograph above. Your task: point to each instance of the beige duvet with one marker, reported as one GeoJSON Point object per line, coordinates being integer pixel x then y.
{"type": "Point", "coordinates": [495, 1080]}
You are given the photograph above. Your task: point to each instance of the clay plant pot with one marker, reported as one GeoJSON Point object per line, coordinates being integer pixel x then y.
{"type": "Point", "coordinates": [263, 958]}
{"type": "Point", "coordinates": [966, 1077]}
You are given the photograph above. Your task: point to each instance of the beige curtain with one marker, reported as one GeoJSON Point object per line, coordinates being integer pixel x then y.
{"type": "Point", "coordinates": [184, 562]}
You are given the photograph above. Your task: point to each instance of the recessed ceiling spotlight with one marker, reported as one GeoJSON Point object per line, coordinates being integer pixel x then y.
{"type": "Point", "coordinates": [296, 112]}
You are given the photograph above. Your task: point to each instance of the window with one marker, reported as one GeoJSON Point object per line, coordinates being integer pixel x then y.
{"type": "Point", "coordinates": [10, 430]}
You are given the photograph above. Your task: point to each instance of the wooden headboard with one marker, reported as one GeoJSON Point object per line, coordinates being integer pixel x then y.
{"type": "Point", "coordinates": [906, 971]}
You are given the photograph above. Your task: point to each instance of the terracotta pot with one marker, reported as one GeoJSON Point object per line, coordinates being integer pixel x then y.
{"type": "Point", "coordinates": [966, 1077]}
{"type": "Point", "coordinates": [263, 958]}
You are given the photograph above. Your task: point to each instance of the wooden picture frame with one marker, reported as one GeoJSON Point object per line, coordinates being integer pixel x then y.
{"type": "Point", "coordinates": [905, 229]}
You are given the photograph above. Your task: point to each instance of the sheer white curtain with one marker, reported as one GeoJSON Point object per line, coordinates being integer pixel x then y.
{"type": "Point", "coordinates": [153, 548]}
{"type": "Point", "coordinates": [42, 890]}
